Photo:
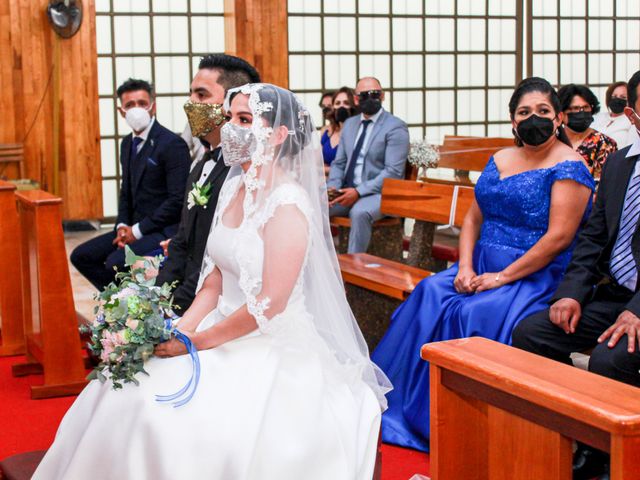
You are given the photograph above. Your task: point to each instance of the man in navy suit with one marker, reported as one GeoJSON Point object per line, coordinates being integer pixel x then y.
{"type": "Point", "coordinates": [155, 165]}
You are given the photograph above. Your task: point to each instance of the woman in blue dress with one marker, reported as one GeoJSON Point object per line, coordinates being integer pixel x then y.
{"type": "Point", "coordinates": [343, 105]}
{"type": "Point", "coordinates": [515, 244]}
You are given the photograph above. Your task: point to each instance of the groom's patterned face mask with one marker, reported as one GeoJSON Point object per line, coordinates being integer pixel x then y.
{"type": "Point", "coordinates": [203, 117]}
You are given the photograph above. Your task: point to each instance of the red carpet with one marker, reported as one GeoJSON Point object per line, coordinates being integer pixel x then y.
{"type": "Point", "coordinates": [27, 425]}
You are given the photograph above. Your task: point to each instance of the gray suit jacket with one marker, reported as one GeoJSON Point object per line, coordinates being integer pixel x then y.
{"type": "Point", "coordinates": [385, 157]}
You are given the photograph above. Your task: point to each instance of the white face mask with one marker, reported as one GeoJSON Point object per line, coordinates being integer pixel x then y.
{"type": "Point", "coordinates": [238, 144]}
{"type": "Point", "coordinates": [138, 118]}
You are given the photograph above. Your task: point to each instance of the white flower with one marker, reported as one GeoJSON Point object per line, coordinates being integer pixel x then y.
{"type": "Point", "coordinates": [423, 155]}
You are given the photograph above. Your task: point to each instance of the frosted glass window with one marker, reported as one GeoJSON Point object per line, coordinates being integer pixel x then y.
{"type": "Point", "coordinates": [435, 135]}
{"type": "Point", "coordinates": [573, 69]}
{"type": "Point", "coordinates": [373, 34]}
{"type": "Point", "coordinates": [471, 34]}
{"type": "Point", "coordinates": [105, 76]}
{"type": "Point", "coordinates": [207, 6]}
{"type": "Point", "coordinates": [133, 67]}
{"type": "Point", "coordinates": [626, 65]}
{"type": "Point", "coordinates": [545, 36]}
{"type": "Point", "coordinates": [305, 72]}
{"type": "Point", "coordinates": [440, 7]}
{"type": "Point", "coordinates": [339, 6]}
{"type": "Point", "coordinates": [627, 34]}
{"type": "Point", "coordinates": [498, 104]}
{"type": "Point", "coordinates": [546, 66]}
{"type": "Point", "coordinates": [501, 130]}
{"type": "Point", "coordinates": [130, 5]}
{"type": "Point", "coordinates": [471, 106]}
{"type": "Point", "coordinates": [544, 8]}
{"type": "Point", "coordinates": [304, 6]}
{"type": "Point", "coordinates": [573, 8]}
{"type": "Point", "coordinates": [408, 106]}
{"type": "Point", "coordinates": [572, 35]}
{"type": "Point", "coordinates": [103, 34]}
{"type": "Point", "coordinates": [439, 106]}
{"type": "Point", "coordinates": [132, 34]}
{"type": "Point", "coordinates": [601, 8]}
{"type": "Point", "coordinates": [439, 35]}
{"type": "Point", "coordinates": [108, 155]}
{"type": "Point", "coordinates": [471, 7]}
{"type": "Point", "coordinates": [628, 8]}
{"type": "Point", "coordinates": [470, 70]}
{"type": "Point", "coordinates": [171, 34]}
{"type": "Point", "coordinates": [207, 34]}
{"type": "Point", "coordinates": [472, 131]}
{"type": "Point", "coordinates": [174, 6]}
{"type": "Point", "coordinates": [110, 198]}
{"type": "Point", "coordinates": [502, 35]}
{"type": "Point", "coordinates": [416, 134]}
{"type": "Point", "coordinates": [502, 7]}
{"type": "Point", "coordinates": [378, 66]}
{"type": "Point", "coordinates": [340, 70]}
{"type": "Point", "coordinates": [373, 6]}
{"type": "Point", "coordinates": [407, 71]}
{"type": "Point", "coordinates": [600, 68]}
{"type": "Point", "coordinates": [170, 112]}
{"type": "Point", "coordinates": [304, 34]}
{"type": "Point", "coordinates": [103, 5]}
{"type": "Point", "coordinates": [501, 70]}
{"type": "Point", "coordinates": [106, 107]}
{"type": "Point", "coordinates": [407, 7]}
{"type": "Point", "coordinates": [340, 34]}
{"type": "Point", "coordinates": [439, 70]}
{"type": "Point", "coordinates": [172, 74]}
{"type": "Point", "coordinates": [407, 34]}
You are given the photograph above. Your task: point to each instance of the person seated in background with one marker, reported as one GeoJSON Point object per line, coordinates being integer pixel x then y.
{"type": "Point", "coordinates": [196, 148]}
{"type": "Point", "coordinates": [597, 304]}
{"type": "Point", "coordinates": [579, 104]}
{"type": "Point", "coordinates": [155, 165]}
{"type": "Point", "coordinates": [343, 107]}
{"type": "Point", "coordinates": [373, 146]}
{"type": "Point", "coordinates": [325, 105]}
{"type": "Point", "coordinates": [515, 243]}
{"type": "Point", "coordinates": [613, 122]}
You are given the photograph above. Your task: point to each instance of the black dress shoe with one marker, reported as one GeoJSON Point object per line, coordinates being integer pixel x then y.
{"type": "Point", "coordinates": [589, 463]}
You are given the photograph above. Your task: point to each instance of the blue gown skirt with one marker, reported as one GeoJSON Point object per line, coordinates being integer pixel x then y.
{"type": "Point", "coordinates": [435, 312]}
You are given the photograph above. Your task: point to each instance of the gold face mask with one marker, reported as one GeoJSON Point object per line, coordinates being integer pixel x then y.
{"type": "Point", "coordinates": [203, 117]}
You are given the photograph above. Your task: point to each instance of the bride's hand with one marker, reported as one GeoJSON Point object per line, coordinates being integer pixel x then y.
{"type": "Point", "coordinates": [487, 281]}
{"type": "Point", "coordinates": [173, 347]}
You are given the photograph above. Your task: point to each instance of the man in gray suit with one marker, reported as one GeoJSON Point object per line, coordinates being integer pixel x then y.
{"type": "Point", "coordinates": [373, 146]}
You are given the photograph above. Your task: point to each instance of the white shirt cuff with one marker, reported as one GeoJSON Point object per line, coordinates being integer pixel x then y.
{"type": "Point", "coordinates": [136, 231]}
{"type": "Point", "coordinates": [121, 225]}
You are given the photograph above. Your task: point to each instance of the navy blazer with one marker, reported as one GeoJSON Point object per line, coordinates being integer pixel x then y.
{"type": "Point", "coordinates": [153, 183]}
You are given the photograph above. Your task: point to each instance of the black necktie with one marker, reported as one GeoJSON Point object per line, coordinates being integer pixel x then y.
{"type": "Point", "coordinates": [134, 146]}
{"type": "Point", "coordinates": [349, 177]}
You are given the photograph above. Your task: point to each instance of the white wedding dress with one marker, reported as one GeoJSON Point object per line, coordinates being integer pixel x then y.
{"type": "Point", "coordinates": [270, 405]}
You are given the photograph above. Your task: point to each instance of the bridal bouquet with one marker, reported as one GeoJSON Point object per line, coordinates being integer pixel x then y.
{"type": "Point", "coordinates": [133, 315]}
{"type": "Point", "coordinates": [423, 155]}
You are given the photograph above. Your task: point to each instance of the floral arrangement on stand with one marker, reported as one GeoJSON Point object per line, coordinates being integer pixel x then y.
{"type": "Point", "coordinates": [423, 156]}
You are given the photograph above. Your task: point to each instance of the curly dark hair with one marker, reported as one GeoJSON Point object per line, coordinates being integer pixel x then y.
{"type": "Point", "coordinates": [567, 93]}
{"type": "Point", "coordinates": [133, 85]}
{"type": "Point", "coordinates": [632, 90]}
{"type": "Point", "coordinates": [537, 84]}
{"type": "Point", "coordinates": [234, 71]}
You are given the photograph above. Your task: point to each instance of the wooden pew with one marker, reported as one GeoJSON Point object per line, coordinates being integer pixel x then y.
{"type": "Point", "coordinates": [10, 287]}
{"type": "Point", "coordinates": [13, 153]}
{"type": "Point", "coordinates": [500, 413]}
{"type": "Point", "coordinates": [50, 322]}
{"type": "Point", "coordinates": [386, 237]}
{"type": "Point", "coordinates": [375, 286]}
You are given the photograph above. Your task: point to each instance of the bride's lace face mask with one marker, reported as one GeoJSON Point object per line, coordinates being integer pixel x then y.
{"type": "Point", "coordinates": [238, 144]}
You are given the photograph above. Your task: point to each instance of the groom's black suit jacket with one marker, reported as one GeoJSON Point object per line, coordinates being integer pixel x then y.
{"type": "Point", "coordinates": [590, 262]}
{"type": "Point", "coordinates": [188, 245]}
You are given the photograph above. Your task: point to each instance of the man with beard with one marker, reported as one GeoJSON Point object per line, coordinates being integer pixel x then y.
{"type": "Point", "coordinates": [217, 73]}
{"type": "Point", "coordinates": [374, 145]}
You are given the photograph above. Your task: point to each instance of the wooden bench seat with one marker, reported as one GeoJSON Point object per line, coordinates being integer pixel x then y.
{"type": "Point", "coordinates": [514, 414]}
{"type": "Point", "coordinates": [386, 236]}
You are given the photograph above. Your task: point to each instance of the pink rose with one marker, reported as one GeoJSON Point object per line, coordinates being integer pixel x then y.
{"type": "Point", "coordinates": [132, 324]}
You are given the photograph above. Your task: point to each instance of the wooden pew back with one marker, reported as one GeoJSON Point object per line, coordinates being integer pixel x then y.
{"type": "Point", "coordinates": [470, 153]}
{"type": "Point", "coordinates": [429, 202]}
{"type": "Point", "coordinates": [13, 153]}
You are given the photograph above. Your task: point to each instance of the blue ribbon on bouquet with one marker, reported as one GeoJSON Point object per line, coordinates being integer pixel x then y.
{"type": "Point", "coordinates": [185, 394]}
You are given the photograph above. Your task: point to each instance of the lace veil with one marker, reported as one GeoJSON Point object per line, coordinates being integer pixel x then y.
{"type": "Point", "coordinates": [285, 197]}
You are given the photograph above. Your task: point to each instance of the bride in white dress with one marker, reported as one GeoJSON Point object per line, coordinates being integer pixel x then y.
{"type": "Point", "coordinates": [286, 390]}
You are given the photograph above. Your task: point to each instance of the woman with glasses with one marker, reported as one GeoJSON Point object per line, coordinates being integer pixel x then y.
{"type": "Point", "coordinates": [579, 104]}
{"type": "Point", "coordinates": [613, 122]}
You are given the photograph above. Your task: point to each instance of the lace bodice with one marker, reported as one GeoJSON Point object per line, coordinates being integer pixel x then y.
{"type": "Point", "coordinates": [515, 209]}
{"type": "Point", "coordinates": [239, 255]}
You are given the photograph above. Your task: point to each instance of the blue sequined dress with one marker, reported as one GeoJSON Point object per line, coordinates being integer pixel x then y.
{"type": "Point", "coordinates": [515, 215]}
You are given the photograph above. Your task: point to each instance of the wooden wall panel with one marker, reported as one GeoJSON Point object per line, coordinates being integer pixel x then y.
{"type": "Point", "coordinates": [257, 30]}
{"type": "Point", "coordinates": [49, 100]}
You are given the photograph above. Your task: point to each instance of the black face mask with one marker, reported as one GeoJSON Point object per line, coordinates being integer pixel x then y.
{"type": "Point", "coordinates": [579, 121]}
{"type": "Point", "coordinates": [341, 114]}
{"type": "Point", "coordinates": [370, 106]}
{"type": "Point", "coordinates": [616, 105]}
{"type": "Point", "coordinates": [535, 130]}
{"type": "Point", "coordinates": [326, 112]}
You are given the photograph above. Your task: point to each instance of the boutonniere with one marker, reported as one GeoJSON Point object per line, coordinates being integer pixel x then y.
{"type": "Point", "coordinates": [199, 195]}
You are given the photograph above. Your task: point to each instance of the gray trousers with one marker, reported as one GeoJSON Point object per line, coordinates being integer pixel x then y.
{"type": "Point", "coordinates": [362, 214]}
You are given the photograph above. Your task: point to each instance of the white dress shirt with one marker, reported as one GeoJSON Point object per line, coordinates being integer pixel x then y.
{"type": "Point", "coordinates": [619, 128]}
{"type": "Point", "coordinates": [357, 172]}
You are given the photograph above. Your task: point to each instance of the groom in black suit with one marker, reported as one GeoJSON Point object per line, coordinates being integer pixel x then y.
{"type": "Point", "coordinates": [598, 302]}
{"type": "Point", "coordinates": [217, 73]}
{"type": "Point", "coordinates": [155, 165]}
